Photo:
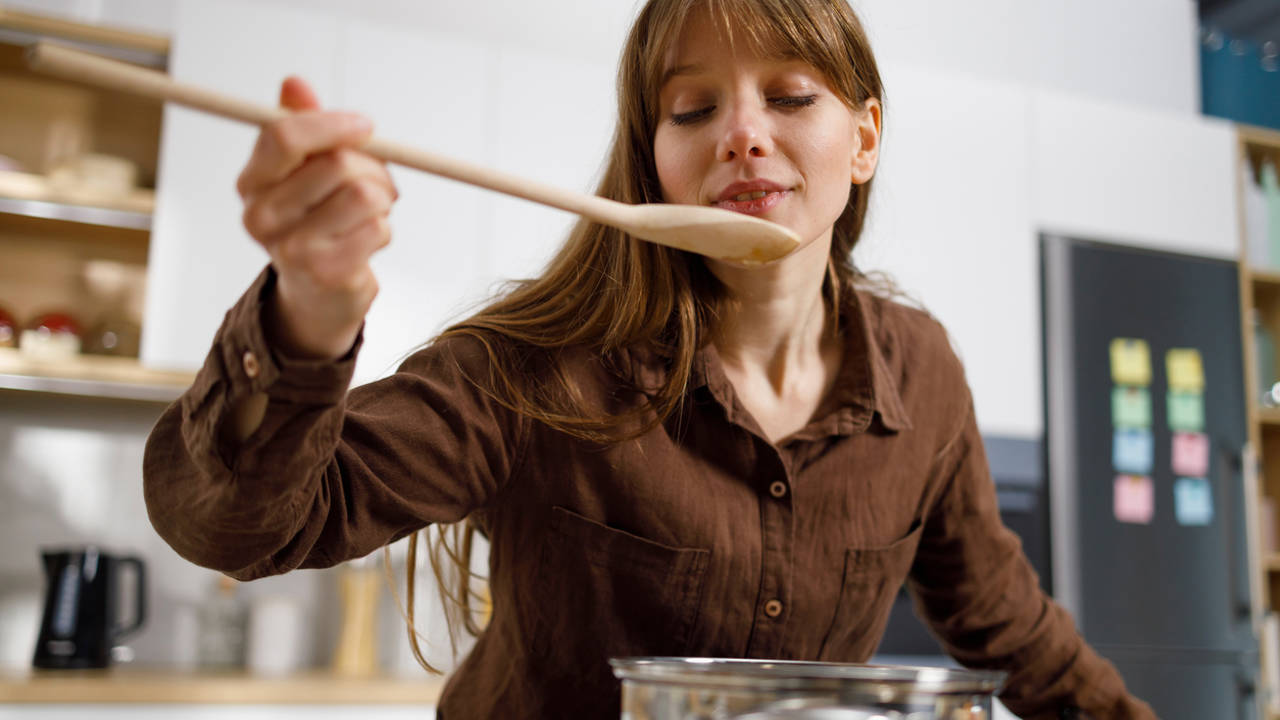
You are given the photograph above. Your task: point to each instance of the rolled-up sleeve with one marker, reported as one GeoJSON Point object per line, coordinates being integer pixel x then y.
{"type": "Point", "coordinates": [328, 475]}
{"type": "Point", "coordinates": [974, 586]}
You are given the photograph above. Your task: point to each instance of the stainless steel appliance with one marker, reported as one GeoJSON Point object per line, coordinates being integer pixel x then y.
{"type": "Point", "coordinates": [725, 689]}
{"type": "Point", "coordinates": [1145, 421]}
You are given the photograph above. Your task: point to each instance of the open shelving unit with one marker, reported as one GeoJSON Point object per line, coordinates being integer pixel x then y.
{"type": "Point", "coordinates": [50, 228]}
{"type": "Point", "coordinates": [1260, 293]}
{"type": "Point", "coordinates": [94, 376]}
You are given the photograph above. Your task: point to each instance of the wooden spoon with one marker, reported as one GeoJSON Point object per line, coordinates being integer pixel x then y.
{"type": "Point", "coordinates": [705, 230]}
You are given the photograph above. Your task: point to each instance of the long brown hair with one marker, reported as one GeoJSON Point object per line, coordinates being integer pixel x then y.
{"type": "Point", "coordinates": [610, 293]}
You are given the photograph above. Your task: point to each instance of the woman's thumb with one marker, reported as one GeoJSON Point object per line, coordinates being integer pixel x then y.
{"type": "Point", "coordinates": [296, 94]}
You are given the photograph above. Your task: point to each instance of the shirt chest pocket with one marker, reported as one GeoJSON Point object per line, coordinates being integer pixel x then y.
{"type": "Point", "coordinates": [870, 583]}
{"type": "Point", "coordinates": [615, 594]}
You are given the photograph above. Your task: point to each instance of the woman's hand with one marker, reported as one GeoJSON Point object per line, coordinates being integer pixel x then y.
{"type": "Point", "coordinates": [319, 207]}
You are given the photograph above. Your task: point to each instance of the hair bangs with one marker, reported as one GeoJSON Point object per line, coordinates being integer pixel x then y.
{"type": "Point", "coordinates": [807, 30]}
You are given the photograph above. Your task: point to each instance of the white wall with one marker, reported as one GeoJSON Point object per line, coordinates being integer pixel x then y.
{"type": "Point", "coordinates": [1136, 52]}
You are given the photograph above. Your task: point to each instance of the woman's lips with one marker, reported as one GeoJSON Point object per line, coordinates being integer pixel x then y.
{"type": "Point", "coordinates": [754, 203]}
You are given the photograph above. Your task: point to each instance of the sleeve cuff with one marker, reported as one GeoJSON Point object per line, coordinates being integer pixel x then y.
{"type": "Point", "coordinates": [251, 365]}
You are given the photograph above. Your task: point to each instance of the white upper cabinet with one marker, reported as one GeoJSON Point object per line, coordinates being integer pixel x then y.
{"type": "Point", "coordinates": [201, 258]}
{"type": "Point", "coordinates": [515, 108]}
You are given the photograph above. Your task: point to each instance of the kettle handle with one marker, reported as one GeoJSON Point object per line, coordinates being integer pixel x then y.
{"type": "Point", "coordinates": [140, 614]}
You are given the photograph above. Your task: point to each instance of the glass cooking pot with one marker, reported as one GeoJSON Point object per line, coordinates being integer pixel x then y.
{"type": "Point", "coordinates": [674, 688]}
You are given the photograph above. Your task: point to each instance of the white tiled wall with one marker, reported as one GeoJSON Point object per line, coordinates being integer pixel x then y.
{"type": "Point", "coordinates": [71, 474]}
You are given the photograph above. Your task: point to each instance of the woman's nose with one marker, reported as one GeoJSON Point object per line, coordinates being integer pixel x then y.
{"type": "Point", "coordinates": [744, 135]}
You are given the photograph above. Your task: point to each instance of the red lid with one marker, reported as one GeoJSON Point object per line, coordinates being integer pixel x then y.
{"type": "Point", "coordinates": [56, 322]}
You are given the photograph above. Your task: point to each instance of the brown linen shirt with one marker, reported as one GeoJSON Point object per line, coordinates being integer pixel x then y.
{"type": "Point", "coordinates": [698, 538]}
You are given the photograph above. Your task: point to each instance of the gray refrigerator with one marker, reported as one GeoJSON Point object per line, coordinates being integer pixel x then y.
{"type": "Point", "coordinates": [1145, 429]}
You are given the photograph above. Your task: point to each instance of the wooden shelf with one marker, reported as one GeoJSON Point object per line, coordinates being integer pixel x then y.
{"type": "Point", "coordinates": [1268, 278]}
{"type": "Point", "coordinates": [90, 375]}
{"type": "Point", "coordinates": [142, 686]}
{"type": "Point", "coordinates": [1254, 135]}
{"type": "Point", "coordinates": [21, 28]}
{"type": "Point", "coordinates": [1269, 416]}
{"type": "Point", "coordinates": [34, 196]}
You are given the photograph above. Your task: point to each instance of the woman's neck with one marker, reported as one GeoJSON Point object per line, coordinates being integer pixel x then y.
{"type": "Point", "coordinates": [776, 326]}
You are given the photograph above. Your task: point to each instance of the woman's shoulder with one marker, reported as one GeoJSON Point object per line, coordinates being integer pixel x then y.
{"type": "Point", "coordinates": [482, 355]}
{"type": "Point", "coordinates": [914, 349]}
{"type": "Point", "coordinates": [902, 327]}
{"type": "Point", "coordinates": [467, 351]}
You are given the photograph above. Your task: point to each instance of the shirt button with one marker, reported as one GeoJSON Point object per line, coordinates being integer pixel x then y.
{"type": "Point", "coordinates": [773, 608]}
{"type": "Point", "coordinates": [250, 362]}
{"type": "Point", "coordinates": [777, 488]}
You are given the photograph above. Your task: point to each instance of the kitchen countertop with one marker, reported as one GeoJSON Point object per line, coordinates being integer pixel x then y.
{"type": "Point", "coordinates": [144, 686]}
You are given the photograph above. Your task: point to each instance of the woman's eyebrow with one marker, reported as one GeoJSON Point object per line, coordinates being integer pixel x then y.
{"type": "Point", "coordinates": [785, 56]}
{"type": "Point", "coordinates": [692, 69]}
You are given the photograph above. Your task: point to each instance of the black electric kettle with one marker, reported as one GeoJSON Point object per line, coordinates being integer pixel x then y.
{"type": "Point", "coordinates": [82, 605]}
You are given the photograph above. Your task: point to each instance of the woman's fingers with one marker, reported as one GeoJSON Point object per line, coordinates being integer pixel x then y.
{"type": "Point", "coordinates": [285, 204]}
{"type": "Point", "coordinates": [350, 205]}
{"type": "Point", "coordinates": [283, 145]}
{"type": "Point", "coordinates": [319, 207]}
{"type": "Point", "coordinates": [296, 94]}
{"type": "Point", "coordinates": [342, 231]}
{"type": "Point", "coordinates": [335, 263]}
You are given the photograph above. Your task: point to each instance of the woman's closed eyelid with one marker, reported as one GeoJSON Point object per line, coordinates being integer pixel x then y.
{"type": "Point", "coordinates": [788, 102]}
{"type": "Point", "coordinates": [684, 118]}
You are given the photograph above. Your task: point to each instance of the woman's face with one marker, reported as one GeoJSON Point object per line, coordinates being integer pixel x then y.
{"type": "Point", "coordinates": [757, 134]}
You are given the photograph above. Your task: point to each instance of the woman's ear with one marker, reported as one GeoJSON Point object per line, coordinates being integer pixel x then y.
{"type": "Point", "coordinates": [866, 154]}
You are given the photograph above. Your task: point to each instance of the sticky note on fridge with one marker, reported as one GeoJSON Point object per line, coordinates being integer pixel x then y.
{"type": "Point", "coordinates": [1186, 411]}
{"type": "Point", "coordinates": [1130, 362]}
{"type": "Point", "coordinates": [1190, 454]}
{"type": "Point", "coordinates": [1186, 371]}
{"type": "Point", "coordinates": [1132, 451]}
{"type": "Point", "coordinates": [1130, 407]}
{"type": "Point", "coordinates": [1193, 501]}
{"type": "Point", "coordinates": [1134, 498]}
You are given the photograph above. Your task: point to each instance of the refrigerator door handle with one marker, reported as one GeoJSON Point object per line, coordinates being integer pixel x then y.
{"type": "Point", "coordinates": [1230, 462]}
{"type": "Point", "coordinates": [1246, 698]}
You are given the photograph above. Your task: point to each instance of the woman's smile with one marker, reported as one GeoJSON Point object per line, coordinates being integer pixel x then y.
{"type": "Point", "coordinates": [754, 197]}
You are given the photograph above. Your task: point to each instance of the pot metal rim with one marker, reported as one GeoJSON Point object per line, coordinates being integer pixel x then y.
{"type": "Point", "coordinates": [704, 671]}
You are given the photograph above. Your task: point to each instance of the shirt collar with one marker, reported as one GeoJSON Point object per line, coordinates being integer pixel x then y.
{"type": "Point", "coordinates": [865, 386]}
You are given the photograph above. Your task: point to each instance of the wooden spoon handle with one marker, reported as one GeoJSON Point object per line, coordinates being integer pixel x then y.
{"type": "Point", "coordinates": [96, 70]}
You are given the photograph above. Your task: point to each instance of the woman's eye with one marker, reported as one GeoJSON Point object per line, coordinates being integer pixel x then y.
{"type": "Point", "coordinates": [786, 102]}
{"type": "Point", "coordinates": [797, 101]}
{"type": "Point", "coordinates": [692, 116]}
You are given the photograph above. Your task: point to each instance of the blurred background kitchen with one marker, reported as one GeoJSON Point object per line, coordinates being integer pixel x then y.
{"type": "Point", "coordinates": [1084, 193]}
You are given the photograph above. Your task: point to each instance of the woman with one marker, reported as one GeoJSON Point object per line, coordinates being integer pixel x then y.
{"type": "Point", "coordinates": [670, 455]}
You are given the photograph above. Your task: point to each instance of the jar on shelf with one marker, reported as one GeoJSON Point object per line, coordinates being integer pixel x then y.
{"type": "Point", "coordinates": [116, 288]}
{"type": "Point", "coordinates": [8, 330]}
{"type": "Point", "coordinates": [221, 621]}
{"type": "Point", "coordinates": [51, 336]}
{"type": "Point", "coordinates": [113, 334]}
{"type": "Point", "coordinates": [1264, 346]}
